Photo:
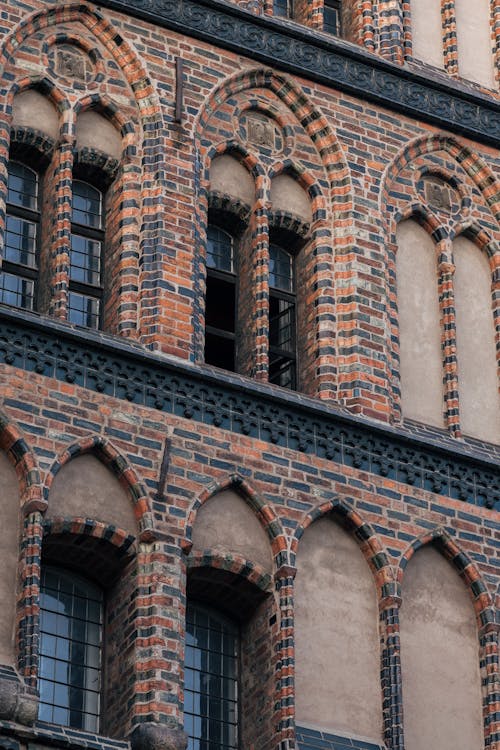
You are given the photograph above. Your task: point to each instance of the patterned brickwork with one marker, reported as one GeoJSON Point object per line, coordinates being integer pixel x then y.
{"type": "Point", "coordinates": [362, 168]}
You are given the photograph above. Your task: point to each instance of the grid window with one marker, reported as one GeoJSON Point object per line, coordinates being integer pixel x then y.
{"type": "Point", "coordinates": [70, 650]}
{"type": "Point", "coordinates": [283, 8]}
{"type": "Point", "coordinates": [87, 241]}
{"type": "Point", "coordinates": [282, 306]}
{"type": "Point", "coordinates": [20, 260]}
{"type": "Point", "coordinates": [211, 680]}
{"type": "Point", "coordinates": [332, 13]}
{"type": "Point", "coordinates": [220, 300]}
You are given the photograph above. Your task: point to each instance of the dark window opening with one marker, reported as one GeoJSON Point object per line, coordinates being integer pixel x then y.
{"type": "Point", "coordinates": [220, 300]}
{"type": "Point", "coordinates": [211, 679]}
{"type": "Point", "coordinates": [282, 324]}
{"type": "Point", "coordinates": [22, 233]}
{"type": "Point", "coordinates": [283, 8]}
{"type": "Point", "coordinates": [332, 17]}
{"type": "Point", "coordinates": [87, 242]}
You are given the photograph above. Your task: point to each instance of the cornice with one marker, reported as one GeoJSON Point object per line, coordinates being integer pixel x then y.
{"type": "Point", "coordinates": [284, 45]}
{"type": "Point", "coordinates": [414, 455]}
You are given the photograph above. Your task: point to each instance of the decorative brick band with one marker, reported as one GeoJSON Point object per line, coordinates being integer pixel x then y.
{"type": "Point", "coordinates": [329, 61]}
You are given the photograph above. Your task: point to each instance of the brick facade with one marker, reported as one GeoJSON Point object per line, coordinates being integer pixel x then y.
{"type": "Point", "coordinates": [126, 394]}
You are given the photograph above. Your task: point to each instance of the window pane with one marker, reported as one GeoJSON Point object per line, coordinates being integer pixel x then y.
{"type": "Point", "coordinates": [83, 310]}
{"type": "Point", "coordinates": [210, 690]}
{"type": "Point", "coordinates": [20, 241]}
{"type": "Point", "coordinates": [85, 260]}
{"type": "Point", "coordinates": [280, 269]}
{"type": "Point", "coordinates": [283, 8]}
{"type": "Point", "coordinates": [22, 186]}
{"type": "Point", "coordinates": [69, 675]}
{"type": "Point", "coordinates": [331, 17]}
{"type": "Point", "coordinates": [87, 205]}
{"type": "Point", "coordinates": [16, 291]}
{"type": "Point", "coordinates": [219, 249]}
{"type": "Point", "coordinates": [282, 371]}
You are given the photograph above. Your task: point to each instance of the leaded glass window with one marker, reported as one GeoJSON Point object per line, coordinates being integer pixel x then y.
{"type": "Point", "coordinates": [282, 311]}
{"type": "Point", "coordinates": [20, 260]}
{"type": "Point", "coordinates": [69, 675]}
{"type": "Point", "coordinates": [211, 680]}
{"type": "Point", "coordinates": [87, 241]}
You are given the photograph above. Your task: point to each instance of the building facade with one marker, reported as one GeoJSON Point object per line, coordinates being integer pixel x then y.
{"type": "Point", "coordinates": [249, 375]}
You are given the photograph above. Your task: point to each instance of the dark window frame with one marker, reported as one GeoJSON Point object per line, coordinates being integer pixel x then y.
{"type": "Point", "coordinates": [20, 270]}
{"type": "Point", "coordinates": [227, 277]}
{"type": "Point", "coordinates": [283, 12]}
{"type": "Point", "coordinates": [336, 6]}
{"type": "Point", "coordinates": [91, 291]}
{"type": "Point", "coordinates": [278, 352]}
{"type": "Point", "coordinates": [232, 624]}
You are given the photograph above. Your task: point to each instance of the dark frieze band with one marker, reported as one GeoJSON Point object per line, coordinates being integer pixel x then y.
{"type": "Point", "coordinates": [420, 457]}
{"type": "Point", "coordinates": [333, 62]}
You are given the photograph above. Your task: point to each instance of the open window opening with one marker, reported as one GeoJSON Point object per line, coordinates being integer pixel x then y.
{"type": "Point", "coordinates": [220, 301]}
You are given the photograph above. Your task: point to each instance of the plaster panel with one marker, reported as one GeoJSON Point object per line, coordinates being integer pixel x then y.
{"type": "Point", "coordinates": [96, 132]}
{"type": "Point", "coordinates": [287, 195]}
{"type": "Point", "coordinates": [336, 635]}
{"type": "Point", "coordinates": [421, 369]}
{"type": "Point", "coordinates": [84, 487]}
{"type": "Point", "coordinates": [9, 544]}
{"type": "Point", "coordinates": [230, 177]}
{"type": "Point", "coordinates": [475, 57]}
{"type": "Point", "coordinates": [33, 110]}
{"type": "Point", "coordinates": [440, 658]}
{"type": "Point", "coordinates": [226, 522]}
{"type": "Point", "coordinates": [427, 31]}
{"type": "Point", "coordinates": [476, 355]}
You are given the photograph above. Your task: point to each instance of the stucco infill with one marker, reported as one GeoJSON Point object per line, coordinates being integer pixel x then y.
{"type": "Point", "coordinates": [327, 60]}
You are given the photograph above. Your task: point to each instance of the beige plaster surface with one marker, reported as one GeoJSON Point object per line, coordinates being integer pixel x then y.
{"type": "Point", "coordinates": [226, 522]}
{"type": "Point", "coordinates": [478, 384]}
{"type": "Point", "coordinates": [32, 109]}
{"type": "Point", "coordinates": [230, 177]}
{"type": "Point", "coordinates": [287, 195]}
{"type": "Point", "coordinates": [427, 34]}
{"type": "Point", "coordinates": [84, 487]}
{"type": "Point", "coordinates": [9, 544]}
{"type": "Point", "coordinates": [474, 44]}
{"type": "Point", "coordinates": [440, 658]}
{"type": "Point", "coordinates": [95, 131]}
{"type": "Point", "coordinates": [421, 368]}
{"type": "Point", "coordinates": [337, 650]}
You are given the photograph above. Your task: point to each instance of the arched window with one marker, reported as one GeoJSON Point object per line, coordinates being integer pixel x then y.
{"type": "Point", "coordinates": [20, 262]}
{"type": "Point", "coordinates": [220, 304]}
{"type": "Point", "coordinates": [87, 242]}
{"type": "Point", "coordinates": [282, 310]}
{"type": "Point", "coordinates": [69, 681]}
{"type": "Point", "coordinates": [211, 679]}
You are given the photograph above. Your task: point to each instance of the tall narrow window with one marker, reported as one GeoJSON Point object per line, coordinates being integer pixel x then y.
{"type": "Point", "coordinates": [87, 242]}
{"type": "Point", "coordinates": [211, 680]}
{"type": "Point", "coordinates": [70, 650]}
{"type": "Point", "coordinates": [282, 304]}
{"type": "Point", "coordinates": [283, 8]}
{"type": "Point", "coordinates": [220, 304]}
{"type": "Point", "coordinates": [332, 12]}
{"type": "Point", "coordinates": [20, 262]}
